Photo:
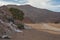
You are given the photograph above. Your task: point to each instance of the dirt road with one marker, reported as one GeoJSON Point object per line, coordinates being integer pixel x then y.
{"type": "Point", "coordinates": [49, 27]}
{"type": "Point", "coordinates": [34, 35]}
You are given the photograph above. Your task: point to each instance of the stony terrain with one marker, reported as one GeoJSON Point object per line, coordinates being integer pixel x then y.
{"type": "Point", "coordinates": [6, 27]}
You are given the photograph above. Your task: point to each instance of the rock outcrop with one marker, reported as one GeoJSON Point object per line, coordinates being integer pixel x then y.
{"type": "Point", "coordinates": [6, 26]}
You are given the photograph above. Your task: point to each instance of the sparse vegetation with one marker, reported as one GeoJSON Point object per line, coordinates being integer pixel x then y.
{"type": "Point", "coordinates": [19, 15]}
{"type": "Point", "coordinates": [20, 26]}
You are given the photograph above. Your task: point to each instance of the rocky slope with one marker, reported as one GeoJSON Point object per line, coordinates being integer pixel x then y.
{"type": "Point", "coordinates": [6, 27]}
{"type": "Point", "coordinates": [38, 15]}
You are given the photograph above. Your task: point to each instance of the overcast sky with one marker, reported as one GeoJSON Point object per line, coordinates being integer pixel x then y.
{"type": "Point", "coordinates": [53, 5]}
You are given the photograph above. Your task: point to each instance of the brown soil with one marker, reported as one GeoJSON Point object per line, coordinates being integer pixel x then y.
{"type": "Point", "coordinates": [55, 25]}
{"type": "Point", "coordinates": [34, 35]}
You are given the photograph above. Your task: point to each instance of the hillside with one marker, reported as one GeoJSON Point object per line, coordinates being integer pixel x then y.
{"type": "Point", "coordinates": [7, 27]}
{"type": "Point", "coordinates": [38, 15]}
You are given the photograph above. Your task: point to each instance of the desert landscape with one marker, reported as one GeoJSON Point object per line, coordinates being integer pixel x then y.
{"type": "Point", "coordinates": [37, 24]}
{"type": "Point", "coordinates": [38, 32]}
{"type": "Point", "coordinates": [29, 19]}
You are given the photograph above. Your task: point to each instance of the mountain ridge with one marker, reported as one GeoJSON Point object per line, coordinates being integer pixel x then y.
{"type": "Point", "coordinates": [38, 15]}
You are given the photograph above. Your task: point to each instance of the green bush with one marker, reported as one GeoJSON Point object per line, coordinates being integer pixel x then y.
{"type": "Point", "coordinates": [17, 14]}
{"type": "Point", "coordinates": [20, 26]}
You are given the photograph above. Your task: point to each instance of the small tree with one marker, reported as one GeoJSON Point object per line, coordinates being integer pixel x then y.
{"type": "Point", "coordinates": [17, 14]}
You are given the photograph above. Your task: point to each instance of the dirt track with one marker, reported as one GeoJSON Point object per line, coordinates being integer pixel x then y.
{"type": "Point", "coordinates": [35, 35]}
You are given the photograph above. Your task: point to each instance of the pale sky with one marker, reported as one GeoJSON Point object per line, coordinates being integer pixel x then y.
{"type": "Point", "coordinates": [53, 5]}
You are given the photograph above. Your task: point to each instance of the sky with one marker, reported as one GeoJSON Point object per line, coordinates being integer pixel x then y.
{"type": "Point", "coordinates": [53, 5]}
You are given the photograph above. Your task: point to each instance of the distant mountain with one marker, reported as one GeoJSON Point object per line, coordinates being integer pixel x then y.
{"type": "Point", "coordinates": [38, 15]}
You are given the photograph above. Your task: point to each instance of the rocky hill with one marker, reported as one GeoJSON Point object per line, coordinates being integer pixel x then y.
{"type": "Point", "coordinates": [38, 15]}
{"type": "Point", "coordinates": [7, 27]}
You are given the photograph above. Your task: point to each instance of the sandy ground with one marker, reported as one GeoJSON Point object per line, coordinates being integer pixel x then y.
{"type": "Point", "coordinates": [46, 27]}
{"type": "Point", "coordinates": [55, 25]}
{"type": "Point", "coordinates": [36, 33]}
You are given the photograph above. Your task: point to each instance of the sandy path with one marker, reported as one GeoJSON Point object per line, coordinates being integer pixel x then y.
{"type": "Point", "coordinates": [34, 34]}
{"type": "Point", "coordinates": [46, 26]}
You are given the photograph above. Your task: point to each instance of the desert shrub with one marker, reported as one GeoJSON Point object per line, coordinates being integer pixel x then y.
{"type": "Point", "coordinates": [20, 26]}
{"type": "Point", "coordinates": [17, 14]}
